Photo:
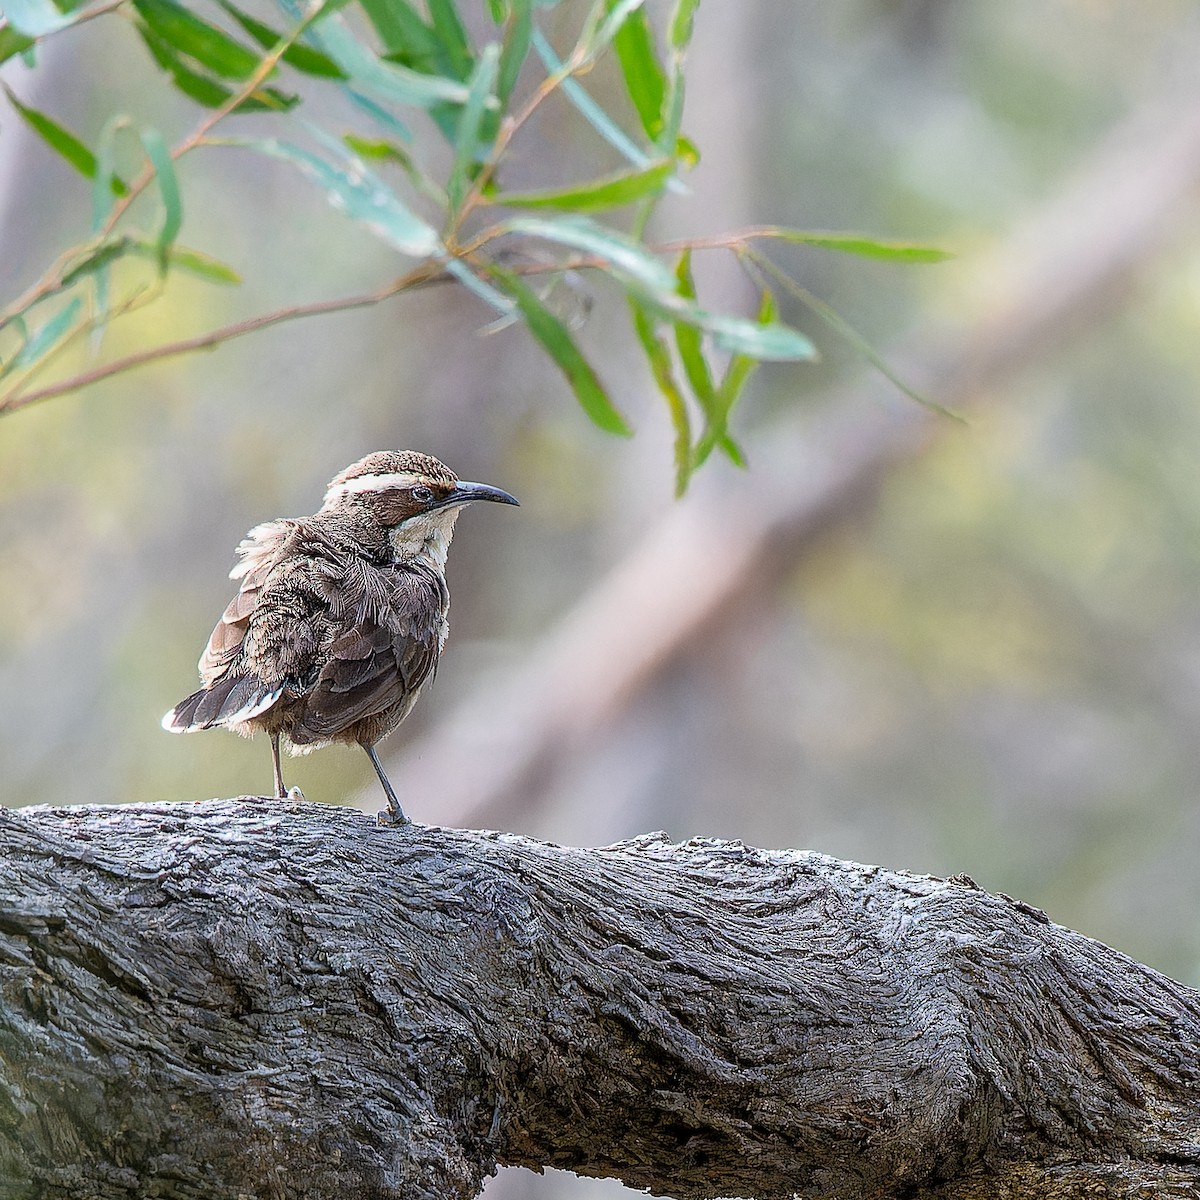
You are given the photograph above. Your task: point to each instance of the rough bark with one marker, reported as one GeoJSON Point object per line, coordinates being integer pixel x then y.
{"type": "Point", "coordinates": [259, 999]}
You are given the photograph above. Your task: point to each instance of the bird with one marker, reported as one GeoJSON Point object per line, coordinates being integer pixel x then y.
{"type": "Point", "coordinates": [340, 617]}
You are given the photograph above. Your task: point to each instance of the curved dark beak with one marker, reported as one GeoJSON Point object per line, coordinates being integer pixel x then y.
{"type": "Point", "coordinates": [467, 493]}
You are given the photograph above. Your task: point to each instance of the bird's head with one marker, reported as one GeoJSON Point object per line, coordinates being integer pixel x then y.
{"type": "Point", "coordinates": [415, 497]}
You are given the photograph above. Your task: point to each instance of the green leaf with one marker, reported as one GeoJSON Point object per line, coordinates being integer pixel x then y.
{"type": "Point", "coordinates": [402, 31]}
{"type": "Point", "coordinates": [643, 74]}
{"type": "Point", "coordinates": [303, 58]}
{"type": "Point", "coordinates": [168, 189]}
{"type": "Point", "coordinates": [12, 42]}
{"type": "Point", "coordinates": [737, 373]}
{"type": "Point", "coordinates": [49, 335]}
{"type": "Point", "coordinates": [589, 109]}
{"type": "Point", "coordinates": [860, 244]}
{"type": "Point", "coordinates": [452, 37]}
{"type": "Point", "coordinates": [206, 44]}
{"type": "Point", "coordinates": [466, 143]}
{"type": "Point", "coordinates": [659, 359]}
{"type": "Point", "coordinates": [612, 191]}
{"type": "Point", "coordinates": [385, 79]}
{"type": "Point", "coordinates": [517, 39]}
{"type": "Point", "coordinates": [766, 343]}
{"type": "Point", "coordinates": [689, 341]}
{"type": "Point", "coordinates": [97, 258]}
{"type": "Point", "coordinates": [183, 258]}
{"type": "Point", "coordinates": [557, 342]}
{"type": "Point", "coordinates": [359, 193]}
{"type": "Point", "coordinates": [624, 256]}
{"type": "Point", "coordinates": [35, 18]}
{"type": "Point", "coordinates": [64, 142]}
{"type": "Point", "coordinates": [593, 41]}
{"type": "Point", "coordinates": [202, 88]}
{"type": "Point", "coordinates": [682, 22]}
{"type": "Point", "coordinates": [194, 262]}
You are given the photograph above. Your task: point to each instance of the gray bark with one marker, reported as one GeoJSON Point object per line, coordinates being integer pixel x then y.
{"type": "Point", "coordinates": [261, 999]}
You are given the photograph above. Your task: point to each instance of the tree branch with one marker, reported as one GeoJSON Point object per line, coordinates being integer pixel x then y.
{"type": "Point", "coordinates": [257, 998]}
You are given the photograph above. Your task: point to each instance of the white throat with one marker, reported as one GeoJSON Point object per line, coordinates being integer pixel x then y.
{"type": "Point", "coordinates": [426, 537]}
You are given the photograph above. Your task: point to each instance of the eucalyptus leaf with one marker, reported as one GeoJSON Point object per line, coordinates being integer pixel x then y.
{"type": "Point", "coordinates": [303, 58]}
{"type": "Point", "coordinates": [860, 244]}
{"type": "Point", "coordinates": [13, 42]}
{"type": "Point", "coordinates": [451, 37]}
{"type": "Point", "coordinates": [612, 191]}
{"type": "Point", "coordinates": [49, 335]}
{"type": "Point", "coordinates": [644, 77]}
{"type": "Point", "coordinates": [387, 80]}
{"type": "Point", "coordinates": [209, 46]}
{"type": "Point", "coordinates": [360, 194]}
{"type": "Point", "coordinates": [63, 142]}
{"type": "Point", "coordinates": [658, 356]}
{"type": "Point", "coordinates": [466, 143]}
{"type": "Point", "coordinates": [556, 340]}
{"type": "Point", "coordinates": [625, 256]}
{"type": "Point", "coordinates": [168, 188]}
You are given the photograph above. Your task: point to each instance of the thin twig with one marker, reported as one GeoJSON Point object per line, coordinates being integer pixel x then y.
{"type": "Point", "coordinates": [425, 274]}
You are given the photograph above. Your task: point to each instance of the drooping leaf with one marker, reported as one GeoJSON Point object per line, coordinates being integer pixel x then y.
{"type": "Point", "coordinates": [644, 78]}
{"type": "Point", "coordinates": [203, 88]}
{"type": "Point", "coordinates": [387, 80]}
{"type": "Point", "coordinates": [860, 244]}
{"type": "Point", "coordinates": [658, 356]}
{"type": "Point", "coordinates": [588, 108]}
{"type": "Point", "coordinates": [48, 335]}
{"type": "Point", "coordinates": [726, 395]}
{"type": "Point", "coordinates": [466, 142]}
{"type": "Point", "coordinates": [556, 340]}
{"type": "Point", "coordinates": [13, 42]}
{"type": "Point", "coordinates": [195, 262]}
{"type": "Point", "coordinates": [401, 30]}
{"type": "Point", "coordinates": [359, 193]}
{"type": "Point", "coordinates": [63, 142]}
{"type": "Point", "coordinates": [303, 58]}
{"type": "Point", "coordinates": [517, 39]}
{"type": "Point", "coordinates": [625, 256]}
{"type": "Point", "coordinates": [207, 45]}
{"type": "Point", "coordinates": [766, 343]}
{"type": "Point", "coordinates": [612, 191]}
{"type": "Point", "coordinates": [168, 190]}
{"type": "Point", "coordinates": [689, 341]}
{"type": "Point", "coordinates": [452, 37]}
{"type": "Point", "coordinates": [682, 23]}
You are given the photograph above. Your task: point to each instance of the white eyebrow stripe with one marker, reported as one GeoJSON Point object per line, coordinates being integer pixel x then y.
{"type": "Point", "coordinates": [373, 483]}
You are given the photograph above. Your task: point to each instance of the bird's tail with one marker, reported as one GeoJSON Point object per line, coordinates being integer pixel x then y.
{"type": "Point", "coordinates": [229, 701]}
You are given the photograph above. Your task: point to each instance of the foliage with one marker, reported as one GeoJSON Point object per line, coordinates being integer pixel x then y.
{"type": "Point", "coordinates": [395, 63]}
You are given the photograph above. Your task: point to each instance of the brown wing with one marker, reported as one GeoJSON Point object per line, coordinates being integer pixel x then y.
{"type": "Point", "coordinates": [381, 661]}
{"type": "Point", "coordinates": [258, 553]}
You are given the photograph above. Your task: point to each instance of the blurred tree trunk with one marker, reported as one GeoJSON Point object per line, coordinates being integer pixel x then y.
{"type": "Point", "coordinates": [269, 1000]}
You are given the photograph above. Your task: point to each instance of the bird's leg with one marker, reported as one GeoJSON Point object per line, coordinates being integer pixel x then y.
{"type": "Point", "coordinates": [395, 814]}
{"type": "Point", "coordinates": [280, 790]}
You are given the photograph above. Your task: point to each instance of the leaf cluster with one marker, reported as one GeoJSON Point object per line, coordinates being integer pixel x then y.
{"type": "Point", "coordinates": [398, 63]}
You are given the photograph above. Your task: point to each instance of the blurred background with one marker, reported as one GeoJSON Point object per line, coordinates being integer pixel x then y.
{"type": "Point", "coordinates": [945, 646]}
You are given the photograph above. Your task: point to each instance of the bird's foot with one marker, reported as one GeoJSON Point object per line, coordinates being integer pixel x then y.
{"type": "Point", "coordinates": [392, 817]}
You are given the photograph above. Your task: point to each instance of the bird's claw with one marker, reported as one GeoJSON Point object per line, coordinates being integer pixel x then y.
{"type": "Point", "coordinates": [392, 818]}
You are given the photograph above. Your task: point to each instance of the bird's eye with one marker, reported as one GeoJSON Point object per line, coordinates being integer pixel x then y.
{"type": "Point", "coordinates": [422, 495]}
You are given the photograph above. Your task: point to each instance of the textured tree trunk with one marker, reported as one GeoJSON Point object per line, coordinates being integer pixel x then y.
{"type": "Point", "coordinates": [258, 999]}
